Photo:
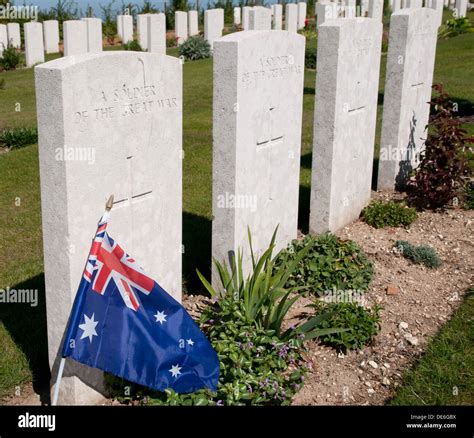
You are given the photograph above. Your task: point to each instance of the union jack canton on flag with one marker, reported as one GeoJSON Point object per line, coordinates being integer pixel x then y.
{"type": "Point", "coordinates": [124, 323]}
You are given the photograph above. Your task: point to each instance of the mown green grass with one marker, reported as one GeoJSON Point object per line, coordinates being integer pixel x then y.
{"type": "Point", "coordinates": [444, 375]}
{"type": "Point", "coordinates": [22, 329]}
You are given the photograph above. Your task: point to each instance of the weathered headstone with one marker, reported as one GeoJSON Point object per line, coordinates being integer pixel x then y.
{"type": "Point", "coordinates": [108, 123]}
{"type": "Point", "coordinates": [257, 116]}
{"type": "Point", "coordinates": [127, 28]}
{"type": "Point", "coordinates": [157, 33]}
{"type": "Point", "coordinates": [325, 11]}
{"type": "Point", "coordinates": [14, 38]}
{"type": "Point", "coordinates": [410, 66]}
{"type": "Point", "coordinates": [277, 17]}
{"type": "Point", "coordinates": [291, 17]}
{"type": "Point", "coordinates": [413, 3]}
{"type": "Point", "coordinates": [193, 27]}
{"type": "Point", "coordinates": [213, 24]}
{"type": "Point", "coordinates": [461, 8]}
{"type": "Point", "coordinates": [75, 37]}
{"type": "Point", "coordinates": [260, 18]}
{"type": "Point", "coordinates": [376, 9]}
{"type": "Point", "coordinates": [51, 36]}
{"type": "Point", "coordinates": [344, 121]}
{"type": "Point", "coordinates": [34, 47]}
{"type": "Point", "coordinates": [301, 14]}
{"type": "Point", "coordinates": [237, 17]}
{"type": "Point", "coordinates": [94, 34]}
{"type": "Point", "coordinates": [142, 30]}
{"type": "Point", "coordinates": [181, 26]}
{"type": "Point", "coordinates": [3, 38]}
{"type": "Point", "coordinates": [246, 17]}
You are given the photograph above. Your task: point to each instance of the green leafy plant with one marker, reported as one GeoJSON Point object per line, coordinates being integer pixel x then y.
{"type": "Point", "coordinates": [361, 325]}
{"type": "Point", "coordinates": [380, 214]}
{"type": "Point", "coordinates": [422, 254]}
{"type": "Point", "coordinates": [18, 137]}
{"type": "Point", "coordinates": [11, 58]}
{"type": "Point", "coordinates": [444, 163]}
{"type": "Point", "coordinates": [133, 46]}
{"type": "Point", "coordinates": [310, 59]}
{"type": "Point", "coordinates": [329, 263]}
{"type": "Point", "coordinates": [468, 195]}
{"type": "Point", "coordinates": [454, 27]}
{"type": "Point", "coordinates": [195, 48]}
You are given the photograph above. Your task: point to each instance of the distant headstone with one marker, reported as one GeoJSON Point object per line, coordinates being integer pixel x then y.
{"type": "Point", "coordinates": [14, 38]}
{"type": "Point", "coordinates": [75, 37]}
{"type": "Point", "coordinates": [301, 14]}
{"type": "Point", "coordinates": [3, 38]}
{"type": "Point", "coordinates": [127, 28]}
{"type": "Point", "coordinates": [277, 17]}
{"type": "Point", "coordinates": [193, 27]}
{"type": "Point", "coordinates": [257, 116]}
{"type": "Point", "coordinates": [396, 6]}
{"type": "Point", "coordinates": [108, 123]}
{"type": "Point", "coordinates": [408, 81]}
{"type": "Point", "coordinates": [142, 30]}
{"type": "Point", "coordinates": [348, 68]}
{"type": "Point", "coordinates": [213, 24]}
{"type": "Point", "coordinates": [237, 17]}
{"type": "Point", "coordinates": [291, 17]}
{"type": "Point", "coordinates": [325, 11]}
{"type": "Point", "coordinates": [437, 5]}
{"type": "Point", "coordinates": [376, 9]}
{"type": "Point", "coordinates": [260, 18]}
{"type": "Point", "coordinates": [51, 36]}
{"type": "Point", "coordinates": [181, 26]}
{"type": "Point", "coordinates": [413, 3]}
{"type": "Point", "coordinates": [461, 8]}
{"type": "Point", "coordinates": [119, 26]}
{"type": "Point", "coordinates": [364, 8]}
{"type": "Point", "coordinates": [246, 17]}
{"type": "Point", "coordinates": [94, 34]}
{"type": "Point", "coordinates": [34, 47]}
{"type": "Point", "coordinates": [157, 33]}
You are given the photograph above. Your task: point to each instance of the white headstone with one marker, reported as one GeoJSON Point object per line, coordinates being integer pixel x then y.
{"type": "Point", "coordinates": [75, 37]}
{"type": "Point", "coordinates": [213, 24]}
{"type": "Point", "coordinates": [127, 28]}
{"type": "Point", "coordinates": [246, 17]}
{"type": "Point", "coordinates": [348, 71]}
{"type": "Point", "coordinates": [260, 18]}
{"type": "Point", "coordinates": [438, 5]}
{"type": "Point", "coordinates": [237, 19]}
{"type": "Point", "coordinates": [396, 6]}
{"type": "Point", "coordinates": [3, 38]}
{"type": "Point", "coordinates": [14, 38]}
{"type": "Point", "coordinates": [349, 8]}
{"type": "Point", "coordinates": [142, 30]}
{"type": "Point", "coordinates": [413, 3]}
{"type": "Point", "coordinates": [461, 8]}
{"type": "Point", "coordinates": [277, 17]}
{"type": "Point", "coordinates": [157, 33]}
{"type": "Point", "coordinates": [257, 116]}
{"type": "Point", "coordinates": [325, 11]}
{"type": "Point", "coordinates": [291, 17]}
{"type": "Point", "coordinates": [108, 123]}
{"type": "Point", "coordinates": [181, 26]}
{"type": "Point", "coordinates": [94, 34]}
{"type": "Point", "coordinates": [34, 47]}
{"type": "Point", "coordinates": [119, 26]}
{"type": "Point", "coordinates": [301, 14]}
{"type": "Point", "coordinates": [408, 81]}
{"type": "Point", "coordinates": [376, 9]}
{"type": "Point", "coordinates": [51, 36]}
{"type": "Point", "coordinates": [193, 27]}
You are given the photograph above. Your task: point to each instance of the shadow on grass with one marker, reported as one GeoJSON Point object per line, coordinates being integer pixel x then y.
{"type": "Point", "coordinates": [27, 327]}
{"type": "Point", "coordinates": [197, 231]}
{"type": "Point", "coordinates": [309, 90]}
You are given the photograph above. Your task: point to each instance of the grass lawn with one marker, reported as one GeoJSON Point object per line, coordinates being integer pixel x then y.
{"type": "Point", "coordinates": [22, 328]}
{"type": "Point", "coordinates": [445, 373]}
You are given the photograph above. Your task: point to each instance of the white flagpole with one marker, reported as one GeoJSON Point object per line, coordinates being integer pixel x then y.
{"type": "Point", "coordinates": [108, 207]}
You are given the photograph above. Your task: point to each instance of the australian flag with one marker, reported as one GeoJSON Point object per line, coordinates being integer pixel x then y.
{"type": "Point", "coordinates": [124, 323]}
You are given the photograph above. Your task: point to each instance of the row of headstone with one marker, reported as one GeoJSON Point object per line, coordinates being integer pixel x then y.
{"type": "Point", "coordinates": [262, 18]}
{"type": "Point", "coordinates": [117, 118]}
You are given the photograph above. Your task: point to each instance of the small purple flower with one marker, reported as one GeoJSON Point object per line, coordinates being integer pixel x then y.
{"type": "Point", "coordinates": [250, 345]}
{"type": "Point", "coordinates": [211, 321]}
{"type": "Point", "coordinates": [220, 403]}
{"type": "Point", "coordinates": [296, 386]}
{"type": "Point", "coordinates": [249, 388]}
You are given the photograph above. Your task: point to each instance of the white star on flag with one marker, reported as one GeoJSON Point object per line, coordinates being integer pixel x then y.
{"type": "Point", "coordinates": [89, 327]}
{"type": "Point", "coordinates": [190, 342]}
{"type": "Point", "coordinates": [175, 370]}
{"type": "Point", "coordinates": [160, 317]}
